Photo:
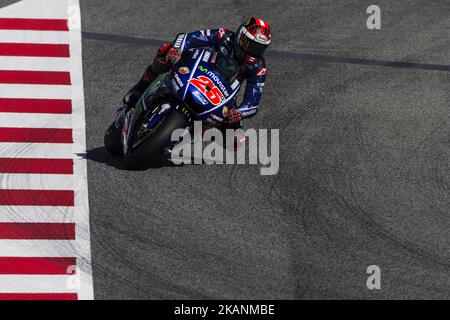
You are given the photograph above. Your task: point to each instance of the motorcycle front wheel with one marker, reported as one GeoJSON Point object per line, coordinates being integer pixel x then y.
{"type": "Point", "coordinates": [154, 144]}
{"type": "Point", "coordinates": [112, 140]}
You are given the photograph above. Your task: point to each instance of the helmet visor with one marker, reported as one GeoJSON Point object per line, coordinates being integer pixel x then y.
{"type": "Point", "coordinates": [252, 47]}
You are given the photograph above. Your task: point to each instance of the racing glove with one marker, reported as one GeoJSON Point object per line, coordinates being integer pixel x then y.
{"type": "Point", "coordinates": [233, 116]}
{"type": "Point", "coordinates": [166, 57]}
{"type": "Point", "coordinates": [173, 55]}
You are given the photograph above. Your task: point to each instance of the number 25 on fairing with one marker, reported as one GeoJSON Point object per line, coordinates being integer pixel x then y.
{"type": "Point", "coordinates": [212, 92]}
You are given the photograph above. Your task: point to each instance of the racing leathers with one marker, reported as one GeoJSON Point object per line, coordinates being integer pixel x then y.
{"type": "Point", "coordinates": [252, 71]}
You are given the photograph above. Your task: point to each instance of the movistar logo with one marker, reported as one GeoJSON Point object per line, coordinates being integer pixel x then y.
{"type": "Point", "coordinates": [202, 69]}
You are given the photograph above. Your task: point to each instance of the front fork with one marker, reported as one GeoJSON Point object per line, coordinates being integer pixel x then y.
{"type": "Point", "coordinates": [120, 117]}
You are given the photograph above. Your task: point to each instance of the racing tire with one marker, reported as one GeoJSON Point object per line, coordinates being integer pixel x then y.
{"type": "Point", "coordinates": [155, 143]}
{"type": "Point", "coordinates": [112, 140]}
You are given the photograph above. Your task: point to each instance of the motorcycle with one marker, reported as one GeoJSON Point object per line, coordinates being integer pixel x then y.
{"type": "Point", "coordinates": [202, 86]}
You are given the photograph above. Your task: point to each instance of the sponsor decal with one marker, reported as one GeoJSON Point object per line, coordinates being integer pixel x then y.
{"type": "Point", "coordinates": [195, 54]}
{"type": "Point", "coordinates": [261, 72]}
{"type": "Point", "coordinates": [164, 108]}
{"type": "Point", "coordinates": [235, 84]}
{"type": "Point", "coordinates": [179, 41]}
{"type": "Point", "coordinates": [203, 69]}
{"type": "Point", "coordinates": [218, 82]}
{"type": "Point", "coordinates": [250, 112]}
{"type": "Point", "coordinates": [224, 112]}
{"type": "Point", "coordinates": [184, 70]}
{"type": "Point", "coordinates": [214, 117]}
{"type": "Point", "coordinates": [214, 57]}
{"type": "Point", "coordinates": [208, 89]}
{"type": "Point", "coordinates": [175, 85]}
{"type": "Point", "coordinates": [200, 97]}
{"type": "Point", "coordinates": [261, 38]}
{"type": "Point", "coordinates": [206, 56]}
{"type": "Point", "coordinates": [178, 80]}
{"type": "Point", "coordinates": [250, 59]}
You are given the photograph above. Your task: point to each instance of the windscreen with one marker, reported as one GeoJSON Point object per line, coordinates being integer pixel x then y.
{"type": "Point", "coordinates": [226, 67]}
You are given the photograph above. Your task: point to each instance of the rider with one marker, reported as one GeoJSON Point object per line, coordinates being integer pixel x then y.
{"type": "Point", "coordinates": [246, 46]}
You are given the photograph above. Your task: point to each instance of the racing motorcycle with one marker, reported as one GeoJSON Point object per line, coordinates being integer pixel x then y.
{"type": "Point", "coordinates": [203, 86]}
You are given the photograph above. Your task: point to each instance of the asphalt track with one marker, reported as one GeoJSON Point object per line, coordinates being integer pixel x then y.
{"type": "Point", "coordinates": [364, 174]}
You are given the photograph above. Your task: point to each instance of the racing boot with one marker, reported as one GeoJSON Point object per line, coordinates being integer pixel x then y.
{"type": "Point", "coordinates": [133, 95]}
{"type": "Point", "coordinates": [165, 58]}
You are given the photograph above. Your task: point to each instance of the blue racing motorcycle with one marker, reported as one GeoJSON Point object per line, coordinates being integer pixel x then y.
{"type": "Point", "coordinates": [203, 86]}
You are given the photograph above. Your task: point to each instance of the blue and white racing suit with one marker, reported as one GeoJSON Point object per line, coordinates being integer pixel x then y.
{"type": "Point", "coordinates": [254, 73]}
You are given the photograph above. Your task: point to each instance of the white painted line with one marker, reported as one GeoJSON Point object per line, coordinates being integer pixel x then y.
{"type": "Point", "coordinates": [80, 164]}
{"type": "Point", "coordinates": [38, 283]}
{"type": "Point", "coordinates": [40, 248]}
{"type": "Point", "coordinates": [48, 37]}
{"type": "Point", "coordinates": [33, 120]}
{"type": "Point", "coordinates": [38, 9]}
{"type": "Point", "coordinates": [22, 91]}
{"type": "Point", "coordinates": [22, 214]}
{"type": "Point", "coordinates": [37, 150]}
{"type": "Point", "coordinates": [37, 181]}
{"type": "Point", "coordinates": [34, 64]}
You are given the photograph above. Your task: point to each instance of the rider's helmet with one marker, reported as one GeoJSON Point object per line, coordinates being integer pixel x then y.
{"type": "Point", "coordinates": [252, 39]}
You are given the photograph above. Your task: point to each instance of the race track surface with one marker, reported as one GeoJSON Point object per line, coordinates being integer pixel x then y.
{"type": "Point", "coordinates": [4, 3]}
{"type": "Point", "coordinates": [364, 174]}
